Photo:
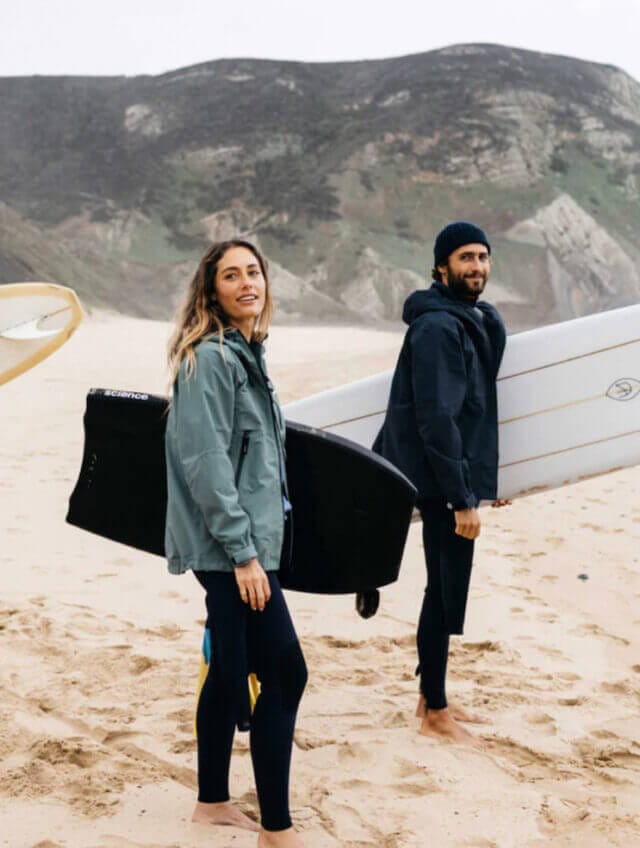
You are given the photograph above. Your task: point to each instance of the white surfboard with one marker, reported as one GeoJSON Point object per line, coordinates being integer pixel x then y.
{"type": "Point", "coordinates": [568, 403]}
{"type": "Point", "coordinates": [35, 320]}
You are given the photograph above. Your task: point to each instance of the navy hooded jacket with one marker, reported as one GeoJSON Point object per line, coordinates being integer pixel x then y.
{"type": "Point", "coordinates": [441, 426]}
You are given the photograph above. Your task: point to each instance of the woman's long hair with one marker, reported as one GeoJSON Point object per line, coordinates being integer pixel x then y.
{"type": "Point", "coordinates": [201, 316]}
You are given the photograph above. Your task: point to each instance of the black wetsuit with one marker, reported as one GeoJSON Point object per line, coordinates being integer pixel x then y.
{"type": "Point", "coordinates": [273, 653]}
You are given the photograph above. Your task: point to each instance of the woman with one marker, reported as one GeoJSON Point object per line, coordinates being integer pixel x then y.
{"type": "Point", "coordinates": [226, 516]}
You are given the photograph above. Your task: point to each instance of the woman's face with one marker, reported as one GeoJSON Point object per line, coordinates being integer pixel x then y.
{"type": "Point", "coordinates": [240, 288]}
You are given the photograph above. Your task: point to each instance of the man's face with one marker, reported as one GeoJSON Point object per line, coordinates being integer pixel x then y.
{"type": "Point", "coordinates": [467, 270]}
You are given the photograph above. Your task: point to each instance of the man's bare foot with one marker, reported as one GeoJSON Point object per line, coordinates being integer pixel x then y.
{"type": "Point", "coordinates": [223, 813]}
{"type": "Point", "coordinates": [279, 839]}
{"type": "Point", "coordinates": [441, 725]}
{"type": "Point", "coordinates": [456, 712]}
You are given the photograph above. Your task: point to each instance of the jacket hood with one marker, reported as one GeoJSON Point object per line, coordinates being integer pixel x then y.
{"type": "Point", "coordinates": [437, 298]}
{"type": "Point", "coordinates": [251, 354]}
{"type": "Point", "coordinates": [480, 319]}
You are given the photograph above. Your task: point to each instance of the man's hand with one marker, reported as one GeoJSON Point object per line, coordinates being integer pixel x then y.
{"type": "Point", "coordinates": [467, 523]}
{"type": "Point", "coordinates": [253, 584]}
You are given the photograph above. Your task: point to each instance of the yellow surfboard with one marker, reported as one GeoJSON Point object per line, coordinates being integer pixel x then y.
{"type": "Point", "coordinates": [35, 320]}
{"type": "Point", "coordinates": [205, 660]}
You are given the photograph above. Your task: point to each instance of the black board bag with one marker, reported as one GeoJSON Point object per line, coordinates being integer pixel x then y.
{"type": "Point", "coordinates": [351, 508]}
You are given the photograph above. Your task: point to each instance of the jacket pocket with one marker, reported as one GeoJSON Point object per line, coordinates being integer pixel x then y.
{"type": "Point", "coordinates": [244, 450]}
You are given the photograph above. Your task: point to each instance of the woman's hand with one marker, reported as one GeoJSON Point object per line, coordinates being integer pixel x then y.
{"type": "Point", "coordinates": [253, 584]}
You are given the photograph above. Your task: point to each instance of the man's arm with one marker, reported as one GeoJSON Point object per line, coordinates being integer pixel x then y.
{"type": "Point", "coordinates": [439, 390]}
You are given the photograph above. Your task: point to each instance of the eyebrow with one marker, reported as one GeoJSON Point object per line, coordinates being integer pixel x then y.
{"type": "Point", "coordinates": [237, 268]}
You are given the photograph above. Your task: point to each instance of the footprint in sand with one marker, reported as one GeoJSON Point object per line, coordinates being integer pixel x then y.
{"type": "Point", "coordinates": [543, 721]}
{"type": "Point", "coordinates": [183, 746]}
{"type": "Point", "coordinates": [166, 631]}
{"type": "Point", "coordinates": [354, 751]}
{"type": "Point", "coordinates": [306, 741]}
{"type": "Point", "coordinates": [58, 751]}
{"type": "Point", "coordinates": [569, 676]}
{"type": "Point", "coordinates": [619, 687]}
{"type": "Point", "coordinates": [414, 790]}
{"type": "Point", "coordinates": [139, 664]}
{"type": "Point", "coordinates": [121, 561]}
{"type": "Point", "coordinates": [547, 617]}
{"type": "Point", "coordinates": [394, 719]}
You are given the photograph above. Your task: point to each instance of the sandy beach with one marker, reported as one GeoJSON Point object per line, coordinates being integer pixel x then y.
{"type": "Point", "coordinates": [99, 653]}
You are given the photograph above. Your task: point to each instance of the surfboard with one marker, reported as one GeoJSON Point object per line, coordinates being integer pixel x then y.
{"type": "Point", "coordinates": [35, 320]}
{"type": "Point", "coordinates": [568, 403]}
{"type": "Point", "coordinates": [351, 508]}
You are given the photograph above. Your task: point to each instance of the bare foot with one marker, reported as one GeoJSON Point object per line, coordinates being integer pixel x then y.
{"type": "Point", "coordinates": [455, 711]}
{"type": "Point", "coordinates": [441, 725]}
{"type": "Point", "coordinates": [279, 839]}
{"type": "Point", "coordinates": [223, 813]}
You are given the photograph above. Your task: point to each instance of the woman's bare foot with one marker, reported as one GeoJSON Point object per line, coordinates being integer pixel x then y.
{"type": "Point", "coordinates": [223, 813]}
{"type": "Point", "coordinates": [441, 725]}
{"type": "Point", "coordinates": [279, 839]}
{"type": "Point", "coordinates": [456, 712]}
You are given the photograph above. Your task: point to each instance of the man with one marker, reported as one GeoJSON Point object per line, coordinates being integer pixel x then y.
{"type": "Point", "coordinates": [441, 430]}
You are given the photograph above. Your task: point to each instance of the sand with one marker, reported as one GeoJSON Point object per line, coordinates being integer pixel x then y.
{"type": "Point", "coordinates": [99, 652]}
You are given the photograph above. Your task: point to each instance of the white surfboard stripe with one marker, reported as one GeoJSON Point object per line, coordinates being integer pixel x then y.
{"type": "Point", "coordinates": [565, 361]}
{"type": "Point", "coordinates": [572, 448]}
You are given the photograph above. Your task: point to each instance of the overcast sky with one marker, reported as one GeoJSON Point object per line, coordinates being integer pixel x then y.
{"type": "Point", "coordinates": [97, 37]}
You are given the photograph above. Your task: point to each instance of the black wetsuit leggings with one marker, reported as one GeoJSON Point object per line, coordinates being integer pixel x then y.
{"type": "Point", "coordinates": [449, 558]}
{"type": "Point", "coordinates": [274, 654]}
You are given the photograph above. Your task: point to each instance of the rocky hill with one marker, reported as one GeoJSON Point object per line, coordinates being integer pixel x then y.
{"type": "Point", "coordinates": [343, 173]}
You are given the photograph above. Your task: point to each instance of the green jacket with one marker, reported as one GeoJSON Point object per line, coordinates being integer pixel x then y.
{"type": "Point", "coordinates": [225, 461]}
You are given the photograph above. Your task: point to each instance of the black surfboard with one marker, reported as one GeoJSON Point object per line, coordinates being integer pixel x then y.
{"type": "Point", "coordinates": [351, 508]}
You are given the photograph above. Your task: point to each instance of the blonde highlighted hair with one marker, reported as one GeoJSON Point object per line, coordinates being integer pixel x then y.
{"type": "Point", "coordinates": [201, 316]}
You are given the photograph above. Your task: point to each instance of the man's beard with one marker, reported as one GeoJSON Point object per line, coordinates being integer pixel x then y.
{"type": "Point", "coordinates": [464, 288]}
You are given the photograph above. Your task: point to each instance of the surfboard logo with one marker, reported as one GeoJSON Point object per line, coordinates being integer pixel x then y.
{"type": "Point", "coordinates": [627, 388]}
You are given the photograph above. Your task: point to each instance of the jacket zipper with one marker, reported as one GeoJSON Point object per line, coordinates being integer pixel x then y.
{"type": "Point", "coordinates": [244, 449]}
{"type": "Point", "coordinates": [286, 517]}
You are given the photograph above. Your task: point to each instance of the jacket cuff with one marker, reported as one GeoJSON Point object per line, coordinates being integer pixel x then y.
{"type": "Point", "coordinates": [242, 556]}
{"type": "Point", "coordinates": [468, 502]}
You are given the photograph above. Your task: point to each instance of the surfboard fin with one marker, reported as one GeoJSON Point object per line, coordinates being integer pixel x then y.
{"type": "Point", "coordinates": [367, 603]}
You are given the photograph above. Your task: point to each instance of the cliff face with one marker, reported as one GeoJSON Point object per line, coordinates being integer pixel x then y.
{"type": "Point", "coordinates": [343, 173]}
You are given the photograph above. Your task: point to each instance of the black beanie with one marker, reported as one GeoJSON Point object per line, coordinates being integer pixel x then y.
{"type": "Point", "coordinates": [454, 236]}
